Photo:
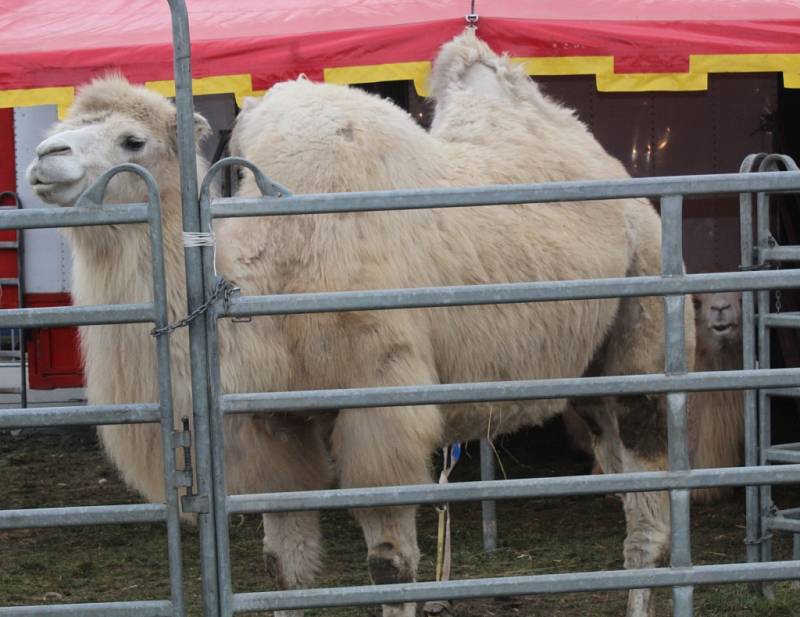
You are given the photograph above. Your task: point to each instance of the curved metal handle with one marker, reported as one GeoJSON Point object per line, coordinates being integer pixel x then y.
{"type": "Point", "coordinates": [93, 196]}
{"type": "Point", "coordinates": [773, 162]}
{"type": "Point", "coordinates": [267, 187]}
{"type": "Point", "coordinates": [752, 162]}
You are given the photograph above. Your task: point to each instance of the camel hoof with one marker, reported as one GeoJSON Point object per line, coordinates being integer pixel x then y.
{"type": "Point", "coordinates": [408, 609]}
{"type": "Point", "coordinates": [434, 608]}
{"type": "Point", "coordinates": [640, 603]}
{"type": "Point", "coordinates": [387, 566]}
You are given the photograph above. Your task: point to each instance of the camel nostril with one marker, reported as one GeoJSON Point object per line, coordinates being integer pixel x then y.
{"type": "Point", "coordinates": [52, 149]}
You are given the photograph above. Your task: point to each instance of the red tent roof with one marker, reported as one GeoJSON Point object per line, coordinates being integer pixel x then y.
{"type": "Point", "coordinates": [247, 45]}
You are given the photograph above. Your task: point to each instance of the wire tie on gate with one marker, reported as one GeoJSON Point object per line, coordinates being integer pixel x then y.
{"type": "Point", "coordinates": [198, 238]}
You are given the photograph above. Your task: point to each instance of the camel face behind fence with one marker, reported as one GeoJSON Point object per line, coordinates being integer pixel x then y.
{"type": "Point", "coordinates": [718, 322]}
{"type": "Point", "coordinates": [111, 123]}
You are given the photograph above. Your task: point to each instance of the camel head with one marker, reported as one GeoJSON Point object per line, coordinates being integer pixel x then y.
{"type": "Point", "coordinates": [718, 319]}
{"type": "Point", "coordinates": [110, 123]}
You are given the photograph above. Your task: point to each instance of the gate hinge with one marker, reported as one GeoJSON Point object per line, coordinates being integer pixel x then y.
{"type": "Point", "coordinates": [184, 478]}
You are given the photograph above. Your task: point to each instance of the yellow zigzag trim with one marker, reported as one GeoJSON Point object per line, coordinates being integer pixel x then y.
{"type": "Point", "coordinates": [602, 67]}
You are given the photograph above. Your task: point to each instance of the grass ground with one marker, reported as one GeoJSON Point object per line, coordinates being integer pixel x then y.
{"type": "Point", "coordinates": [536, 536]}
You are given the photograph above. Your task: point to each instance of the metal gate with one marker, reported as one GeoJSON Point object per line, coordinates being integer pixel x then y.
{"type": "Point", "coordinates": [214, 507]}
{"type": "Point", "coordinates": [89, 211]}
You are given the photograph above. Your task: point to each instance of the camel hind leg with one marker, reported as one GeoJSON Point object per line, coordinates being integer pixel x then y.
{"type": "Point", "coordinates": [630, 433]}
{"type": "Point", "coordinates": [292, 546]}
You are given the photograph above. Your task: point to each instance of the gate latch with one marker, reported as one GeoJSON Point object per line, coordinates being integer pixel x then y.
{"type": "Point", "coordinates": [184, 478]}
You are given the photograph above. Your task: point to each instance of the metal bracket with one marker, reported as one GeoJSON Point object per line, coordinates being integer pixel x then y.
{"type": "Point", "coordinates": [184, 478]}
{"type": "Point", "coordinates": [196, 504]}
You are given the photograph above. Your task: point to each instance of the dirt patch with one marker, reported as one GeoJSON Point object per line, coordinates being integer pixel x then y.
{"type": "Point", "coordinates": [112, 563]}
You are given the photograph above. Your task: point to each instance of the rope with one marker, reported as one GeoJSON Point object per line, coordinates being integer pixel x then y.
{"type": "Point", "coordinates": [451, 455]}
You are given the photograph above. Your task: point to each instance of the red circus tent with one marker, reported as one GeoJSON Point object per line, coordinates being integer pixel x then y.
{"type": "Point", "coordinates": [244, 46]}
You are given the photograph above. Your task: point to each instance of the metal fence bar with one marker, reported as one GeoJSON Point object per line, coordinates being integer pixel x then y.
{"type": "Point", "coordinates": [198, 346]}
{"type": "Point", "coordinates": [781, 455]}
{"type": "Point", "coordinates": [76, 216]}
{"type": "Point", "coordinates": [505, 194]}
{"type": "Point", "coordinates": [781, 253]}
{"type": "Point", "coordinates": [511, 489]}
{"type": "Point", "coordinates": [782, 320]}
{"type": "Point", "coordinates": [145, 608]}
{"type": "Point", "coordinates": [784, 392]}
{"type": "Point", "coordinates": [484, 392]}
{"type": "Point", "coordinates": [779, 523]}
{"type": "Point", "coordinates": [82, 515]}
{"type": "Point", "coordinates": [675, 363]}
{"type": "Point", "coordinates": [53, 317]}
{"type": "Point", "coordinates": [544, 291]}
{"type": "Point", "coordinates": [517, 586]}
{"type": "Point", "coordinates": [133, 413]}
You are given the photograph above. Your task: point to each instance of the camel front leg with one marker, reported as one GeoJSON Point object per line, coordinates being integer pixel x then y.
{"type": "Point", "coordinates": [383, 447]}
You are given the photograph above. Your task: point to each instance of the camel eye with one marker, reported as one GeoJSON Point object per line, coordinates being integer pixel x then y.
{"type": "Point", "coordinates": [134, 144]}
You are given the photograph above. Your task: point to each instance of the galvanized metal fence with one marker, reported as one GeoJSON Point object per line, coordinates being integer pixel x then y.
{"type": "Point", "coordinates": [675, 382]}
{"type": "Point", "coordinates": [763, 517]}
{"type": "Point", "coordinates": [89, 210]}
{"type": "Point", "coordinates": [214, 506]}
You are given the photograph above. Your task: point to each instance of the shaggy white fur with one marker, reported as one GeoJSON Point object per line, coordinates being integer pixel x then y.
{"type": "Point", "coordinates": [491, 125]}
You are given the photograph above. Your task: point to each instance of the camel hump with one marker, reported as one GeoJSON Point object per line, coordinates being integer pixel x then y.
{"type": "Point", "coordinates": [467, 63]}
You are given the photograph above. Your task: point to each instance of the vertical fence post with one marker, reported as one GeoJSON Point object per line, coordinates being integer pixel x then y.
{"type": "Point", "coordinates": [488, 508]}
{"type": "Point", "coordinates": [763, 238]}
{"type": "Point", "coordinates": [675, 362]}
{"type": "Point", "coordinates": [165, 397]}
{"type": "Point", "coordinates": [187, 157]}
{"type": "Point", "coordinates": [751, 449]}
{"type": "Point", "coordinates": [216, 421]}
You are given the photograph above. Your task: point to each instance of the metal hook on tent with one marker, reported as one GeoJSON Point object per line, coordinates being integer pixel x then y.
{"type": "Point", "coordinates": [472, 17]}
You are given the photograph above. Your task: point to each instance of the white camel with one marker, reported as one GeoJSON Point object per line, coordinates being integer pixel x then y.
{"type": "Point", "coordinates": [492, 125]}
{"type": "Point", "coordinates": [716, 419]}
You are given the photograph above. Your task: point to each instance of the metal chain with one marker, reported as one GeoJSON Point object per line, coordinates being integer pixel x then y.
{"type": "Point", "coordinates": [222, 290]}
{"type": "Point", "coordinates": [778, 300]}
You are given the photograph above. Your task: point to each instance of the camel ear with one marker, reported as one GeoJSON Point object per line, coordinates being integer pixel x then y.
{"type": "Point", "coordinates": [697, 302]}
{"type": "Point", "coordinates": [202, 128]}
